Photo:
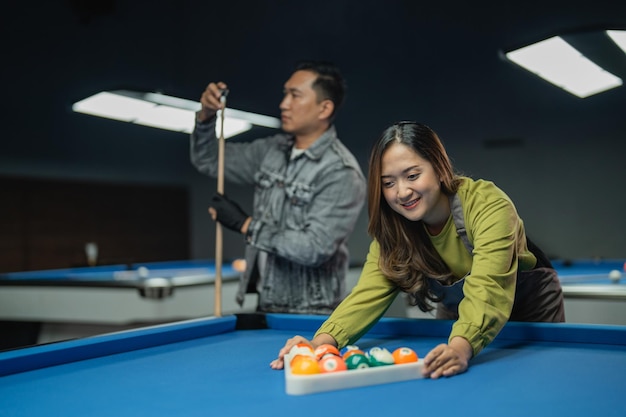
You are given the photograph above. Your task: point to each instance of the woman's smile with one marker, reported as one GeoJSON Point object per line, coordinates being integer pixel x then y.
{"type": "Point", "coordinates": [409, 205]}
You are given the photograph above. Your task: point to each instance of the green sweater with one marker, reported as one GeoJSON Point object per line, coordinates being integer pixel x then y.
{"type": "Point", "coordinates": [497, 233]}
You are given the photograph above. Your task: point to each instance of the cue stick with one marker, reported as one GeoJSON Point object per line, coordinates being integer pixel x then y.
{"type": "Point", "coordinates": [218, 225]}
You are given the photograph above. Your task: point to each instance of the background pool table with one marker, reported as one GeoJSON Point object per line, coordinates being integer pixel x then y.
{"type": "Point", "coordinates": [68, 303]}
{"type": "Point", "coordinates": [590, 296]}
{"type": "Point", "coordinates": [78, 302]}
{"type": "Point", "coordinates": [213, 367]}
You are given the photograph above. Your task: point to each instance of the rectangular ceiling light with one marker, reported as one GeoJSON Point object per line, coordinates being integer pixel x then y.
{"type": "Point", "coordinates": [559, 63]}
{"type": "Point", "coordinates": [619, 37]}
{"type": "Point", "coordinates": [164, 112]}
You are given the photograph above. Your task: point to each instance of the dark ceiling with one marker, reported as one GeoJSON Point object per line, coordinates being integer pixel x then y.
{"type": "Point", "coordinates": [436, 62]}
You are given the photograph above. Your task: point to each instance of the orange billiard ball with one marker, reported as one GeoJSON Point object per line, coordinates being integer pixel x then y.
{"type": "Point", "coordinates": [404, 355]}
{"type": "Point", "coordinates": [302, 349]}
{"type": "Point", "coordinates": [304, 365]}
{"type": "Point", "coordinates": [332, 363]}
{"type": "Point", "coordinates": [326, 349]}
{"type": "Point", "coordinates": [239, 265]}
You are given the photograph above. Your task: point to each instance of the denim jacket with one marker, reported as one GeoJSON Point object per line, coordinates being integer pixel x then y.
{"type": "Point", "coordinates": [304, 212]}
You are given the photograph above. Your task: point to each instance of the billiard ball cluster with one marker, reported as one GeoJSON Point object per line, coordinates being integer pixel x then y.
{"type": "Point", "coordinates": [304, 360]}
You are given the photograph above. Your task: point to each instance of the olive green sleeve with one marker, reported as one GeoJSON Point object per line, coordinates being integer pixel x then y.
{"type": "Point", "coordinates": [364, 306]}
{"type": "Point", "coordinates": [489, 289]}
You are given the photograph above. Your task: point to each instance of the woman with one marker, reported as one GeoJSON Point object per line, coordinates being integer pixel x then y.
{"type": "Point", "coordinates": [448, 241]}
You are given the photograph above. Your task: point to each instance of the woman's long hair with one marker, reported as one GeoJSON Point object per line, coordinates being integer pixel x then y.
{"type": "Point", "coordinates": [407, 255]}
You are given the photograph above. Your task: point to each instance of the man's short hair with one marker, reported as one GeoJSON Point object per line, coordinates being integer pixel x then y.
{"type": "Point", "coordinates": [329, 84]}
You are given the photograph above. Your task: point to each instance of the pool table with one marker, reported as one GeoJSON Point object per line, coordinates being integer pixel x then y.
{"type": "Point", "coordinates": [590, 296]}
{"type": "Point", "coordinates": [78, 302]}
{"type": "Point", "coordinates": [220, 367]}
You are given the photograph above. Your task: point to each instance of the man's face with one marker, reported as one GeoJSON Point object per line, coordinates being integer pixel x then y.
{"type": "Point", "coordinates": [300, 109]}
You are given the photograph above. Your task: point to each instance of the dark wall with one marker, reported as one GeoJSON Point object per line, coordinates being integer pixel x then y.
{"type": "Point", "coordinates": [46, 224]}
{"type": "Point", "coordinates": [559, 157]}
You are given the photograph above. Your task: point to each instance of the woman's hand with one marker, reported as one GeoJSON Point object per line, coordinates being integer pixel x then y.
{"type": "Point", "coordinates": [279, 363]}
{"type": "Point", "coordinates": [320, 339]}
{"type": "Point", "coordinates": [448, 359]}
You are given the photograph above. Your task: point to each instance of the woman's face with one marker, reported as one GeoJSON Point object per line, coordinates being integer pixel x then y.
{"type": "Point", "coordinates": [412, 188]}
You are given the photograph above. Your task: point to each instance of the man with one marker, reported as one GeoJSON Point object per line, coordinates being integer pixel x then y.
{"type": "Point", "coordinates": [309, 191]}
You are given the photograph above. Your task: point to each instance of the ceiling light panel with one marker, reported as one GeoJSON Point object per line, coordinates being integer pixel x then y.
{"type": "Point", "coordinates": [558, 62]}
{"type": "Point", "coordinates": [619, 37]}
{"type": "Point", "coordinates": [165, 112]}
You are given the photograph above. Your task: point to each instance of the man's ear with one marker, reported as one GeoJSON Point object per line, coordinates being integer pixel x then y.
{"type": "Point", "coordinates": [326, 109]}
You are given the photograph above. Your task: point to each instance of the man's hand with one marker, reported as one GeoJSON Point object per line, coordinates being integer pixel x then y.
{"type": "Point", "coordinates": [210, 101]}
{"type": "Point", "coordinates": [227, 212]}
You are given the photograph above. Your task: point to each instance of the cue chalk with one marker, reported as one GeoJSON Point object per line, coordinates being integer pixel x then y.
{"type": "Point", "coordinates": [223, 95]}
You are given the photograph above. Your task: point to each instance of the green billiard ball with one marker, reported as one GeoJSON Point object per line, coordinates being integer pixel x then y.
{"type": "Point", "coordinates": [379, 356]}
{"type": "Point", "coordinates": [357, 361]}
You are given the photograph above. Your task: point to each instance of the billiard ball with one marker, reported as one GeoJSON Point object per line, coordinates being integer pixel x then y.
{"type": "Point", "coordinates": [302, 349]}
{"type": "Point", "coordinates": [379, 356]}
{"type": "Point", "coordinates": [351, 352]}
{"type": "Point", "coordinates": [304, 365]}
{"type": "Point", "coordinates": [332, 363]}
{"type": "Point", "coordinates": [143, 272]}
{"type": "Point", "coordinates": [239, 265]}
{"type": "Point", "coordinates": [615, 275]}
{"type": "Point", "coordinates": [348, 348]}
{"type": "Point", "coordinates": [357, 361]}
{"type": "Point", "coordinates": [326, 349]}
{"type": "Point", "coordinates": [404, 355]}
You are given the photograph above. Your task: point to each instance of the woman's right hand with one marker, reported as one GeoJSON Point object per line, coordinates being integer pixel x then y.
{"type": "Point", "coordinates": [279, 362]}
{"type": "Point", "coordinates": [320, 339]}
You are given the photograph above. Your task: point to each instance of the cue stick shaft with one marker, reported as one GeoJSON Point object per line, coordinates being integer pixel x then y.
{"type": "Point", "coordinates": [218, 226]}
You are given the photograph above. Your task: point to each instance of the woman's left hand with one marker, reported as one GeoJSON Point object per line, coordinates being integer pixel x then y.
{"type": "Point", "coordinates": [448, 359]}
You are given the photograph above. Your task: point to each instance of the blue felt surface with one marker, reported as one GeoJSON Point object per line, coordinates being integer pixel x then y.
{"type": "Point", "coordinates": [228, 374]}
